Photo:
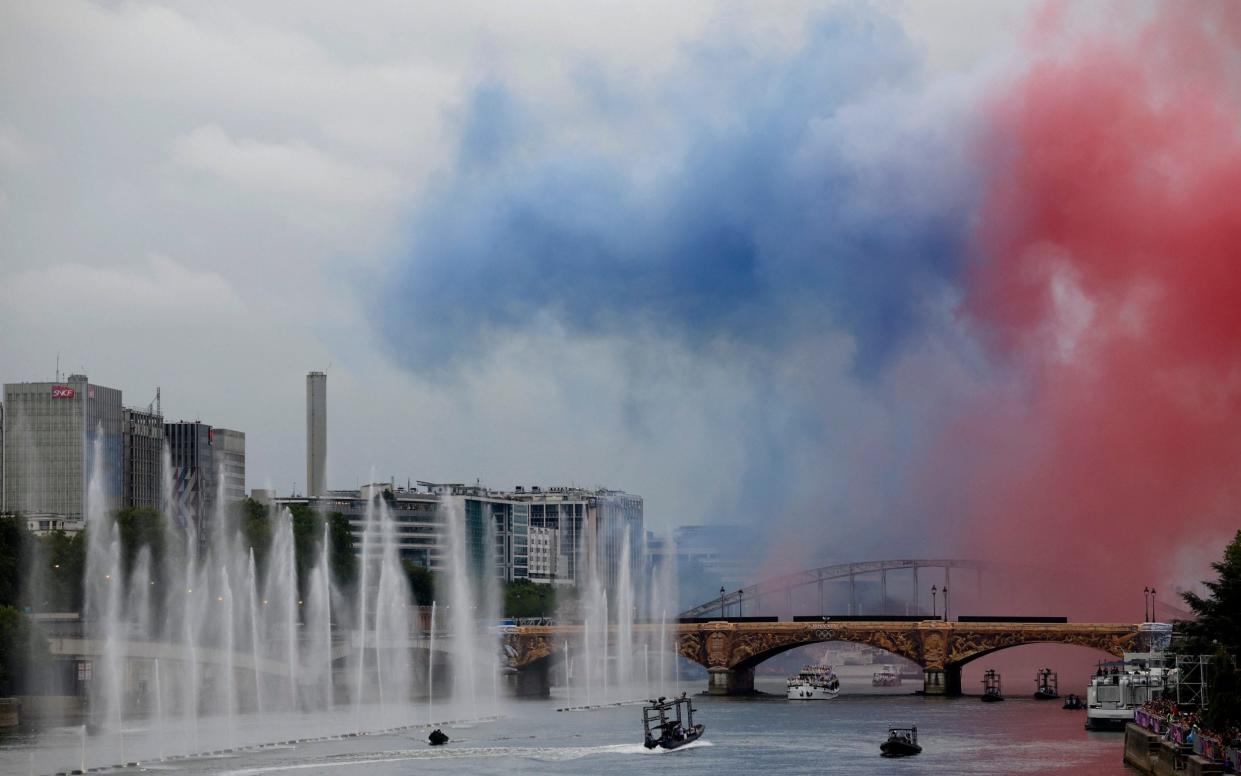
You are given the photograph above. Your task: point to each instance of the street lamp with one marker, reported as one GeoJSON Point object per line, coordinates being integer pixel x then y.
{"type": "Point", "coordinates": [740, 604]}
{"type": "Point", "coordinates": [721, 602]}
{"type": "Point", "coordinates": [934, 603]}
{"type": "Point", "coordinates": [1146, 604]}
{"type": "Point", "coordinates": [1153, 615]}
{"type": "Point", "coordinates": [945, 602]}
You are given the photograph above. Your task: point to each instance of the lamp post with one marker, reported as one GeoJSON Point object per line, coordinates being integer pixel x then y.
{"type": "Point", "coordinates": [1154, 617]}
{"type": "Point", "coordinates": [945, 603]}
{"type": "Point", "coordinates": [934, 603]}
{"type": "Point", "coordinates": [740, 604]}
{"type": "Point", "coordinates": [721, 602]}
{"type": "Point", "coordinates": [1146, 604]}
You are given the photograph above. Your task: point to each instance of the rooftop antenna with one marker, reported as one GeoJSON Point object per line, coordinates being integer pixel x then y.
{"type": "Point", "coordinates": [58, 367]}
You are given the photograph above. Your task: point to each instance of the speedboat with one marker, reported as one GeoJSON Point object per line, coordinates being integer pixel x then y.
{"type": "Point", "coordinates": [437, 738]}
{"type": "Point", "coordinates": [902, 742]}
{"type": "Point", "coordinates": [814, 683]}
{"type": "Point", "coordinates": [1046, 685]}
{"type": "Point", "coordinates": [1073, 703]}
{"type": "Point", "coordinates": [669, 724]}
{"type": "Point", "coordinates": [991, 687]}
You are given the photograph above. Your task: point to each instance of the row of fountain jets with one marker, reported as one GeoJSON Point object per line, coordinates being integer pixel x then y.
{"type": "Point", "coordinates": [206, 638]}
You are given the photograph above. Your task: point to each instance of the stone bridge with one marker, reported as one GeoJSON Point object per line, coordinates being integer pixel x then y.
{"type": "Point", "coordinates": [730, 650]}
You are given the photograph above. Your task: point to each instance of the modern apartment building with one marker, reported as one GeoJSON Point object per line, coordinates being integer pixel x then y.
{"type": "Point", "coordinates": [52, 432]}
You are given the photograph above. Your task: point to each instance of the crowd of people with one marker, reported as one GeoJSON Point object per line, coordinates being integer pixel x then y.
{"type": "Point", "coordinates": [1188, 720]}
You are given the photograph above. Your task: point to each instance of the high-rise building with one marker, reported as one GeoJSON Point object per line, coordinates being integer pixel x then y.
{"type": "Point", "coordinates": [230, 457]}
{"type": "Point", "coordinates": [2, 509]}
{"type": "Point", "coordinates": [316, 434]}
{"type": "Point", "coordinates": [192, 455]}
{"type": "Point", "coordinates": [144, 458]}
{"type": "Point", "coordinates": [51, 432]}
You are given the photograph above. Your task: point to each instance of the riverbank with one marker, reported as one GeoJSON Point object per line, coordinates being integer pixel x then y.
{"type": "Point", "coordinates": [1149, 753]}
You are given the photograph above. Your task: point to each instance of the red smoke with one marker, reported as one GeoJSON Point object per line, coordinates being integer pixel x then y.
{"type": "Point", "coordinates": [1109, 284]}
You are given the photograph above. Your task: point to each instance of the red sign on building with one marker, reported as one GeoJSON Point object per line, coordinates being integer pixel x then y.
{"type": "Point", "coordinates": [62, 392]}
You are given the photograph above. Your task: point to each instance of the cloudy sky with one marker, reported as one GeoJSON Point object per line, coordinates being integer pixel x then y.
{"type": "Point", "coordinates": [723, 255]}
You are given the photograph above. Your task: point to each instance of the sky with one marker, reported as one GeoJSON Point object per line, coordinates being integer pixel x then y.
{"type": "Point", "coordinates": [887, 279]}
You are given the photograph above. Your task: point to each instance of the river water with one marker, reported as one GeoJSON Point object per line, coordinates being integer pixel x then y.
{"type": "Point", "coordinates": [744, 736]}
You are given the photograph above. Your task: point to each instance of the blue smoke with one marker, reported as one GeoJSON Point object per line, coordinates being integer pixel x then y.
{"type": "Point", "coordinates": [793, 195]}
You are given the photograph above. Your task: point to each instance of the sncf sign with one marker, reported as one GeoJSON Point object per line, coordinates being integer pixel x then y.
{"type": "Point", "coordinates": [62, 392]}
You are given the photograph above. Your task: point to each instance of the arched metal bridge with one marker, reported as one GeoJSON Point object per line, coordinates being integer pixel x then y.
{"type": "Point", "coordinates": [753, 595]}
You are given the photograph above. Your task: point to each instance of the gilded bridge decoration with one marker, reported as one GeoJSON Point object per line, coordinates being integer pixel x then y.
{"type": "Point", "coordinates": [929, 643]}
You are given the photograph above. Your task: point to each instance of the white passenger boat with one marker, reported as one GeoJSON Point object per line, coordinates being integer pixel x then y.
{"type": "Point", "coordinates": [814, 683]}
{"type": "Point", "coordinates": [1120, 686]}
{"type": "Point", "coordinates": [886, 676]}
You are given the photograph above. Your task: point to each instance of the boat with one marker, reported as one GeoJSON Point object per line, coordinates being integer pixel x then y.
{"type": "Point", "coordinates": [1046, 685]}
{"type": "Point", "coordinates": [814, 683]}
{"type": "Point", "coordinates": [902, 742]}
{"type": "Point", "coordinates": [991, 687]}
{"type": "Point", "coordinates": [1120, 686]}
{"type": "Point", "coordinates": [886, 676]}
{"type": "Point", "coordinates": [669, 724]}
{"type": "Point", "coordinates": [1073, 703]}
{"type": "Point", "coordinates": [437, 738]}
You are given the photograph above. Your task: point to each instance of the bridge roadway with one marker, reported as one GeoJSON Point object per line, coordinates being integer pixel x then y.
{"type": "Point", "coordinates": [730, 650]}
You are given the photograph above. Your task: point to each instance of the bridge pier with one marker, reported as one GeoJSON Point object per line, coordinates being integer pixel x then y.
{"type": "Point", "coordinates": [532, 681]}
{"type": "Point", "coordinates": [941, 681]}
{"type": "Point", "coordinates": [729, 681]}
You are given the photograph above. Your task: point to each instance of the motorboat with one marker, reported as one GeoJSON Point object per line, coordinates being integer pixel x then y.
{"type": "Point", "coordinates": [813, 683]}
{"type": "Point", "coordinates": [1120, 686]}
{"type": "Point", "coordinates": [902, 742]}
{"type": "Point", "coordinates": [991, 686]}
{"type": "Point", "coordinates": [1046, 685]}
{"type": "Point", "coordinates": [1073, 703]}
{"type": "Point", "coordinates": [669, 724]}
{"type": "Point", "coordinates": [886, 676]}
{"type": "Point", "coordinates": [437, 738]}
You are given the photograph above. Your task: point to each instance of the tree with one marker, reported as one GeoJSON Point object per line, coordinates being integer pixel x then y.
{"type": "Point", "coordinates": [13, 537]}
{"type": "Point", "coordinates": [139, 527]}
{"type": "Point", "coordinates": [23, 651]}
{"type": "Point", "coordinates": [1223, 706]}
{"type": "Point", "coordinates": [1219, 613]}
{"type": "Point", "coordinates": [254, 523]}
{"type": "Point", "coordinates": [343, 561]}
{"type": "Point", "coordinates": [63, 564]}
{"type": "Point", "coordinates": [524, 598]}
{"type": "Point", "coordinates": [421, 582]}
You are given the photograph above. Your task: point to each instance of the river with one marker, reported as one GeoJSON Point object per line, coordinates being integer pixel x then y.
{"type": "Point", "coordinates": [744, 736]}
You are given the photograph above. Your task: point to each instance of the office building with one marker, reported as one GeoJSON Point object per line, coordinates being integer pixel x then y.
{"type": "Point", "coordinates": [420, 518]}
{"type": "Point", "coordinates": [230, 460]}
{"type": "Point", "coordinates": [582, 514]}
{"type": "Point", "coordinates": [192, 456]}
{"type": "Point", "coordinates": [52, 430]}
{"type": "Point", "coordinates": [144, 458]}
{"type": "Point", "coordinates": [544, 555]}
{"type": "Point", "coordinates": [316, 434]}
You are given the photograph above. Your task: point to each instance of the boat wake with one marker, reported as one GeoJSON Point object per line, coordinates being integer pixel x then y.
{"type": "Point", "coordinates": [545, 754]}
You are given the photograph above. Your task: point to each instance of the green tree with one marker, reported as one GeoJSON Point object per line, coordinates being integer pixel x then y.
{"type": "Point", "coordinates": [254, 522]}
{"type": "Point", "coordinates": [1219, 613]}
{"type": "Point", "coordinates": [523, 598]}
{"type": "Point", "coordinates": [341, 556]}
{"type": "Point", "coordinates": [139, 527]}
{"type": "Point", "coordinates": [62, 563]}
{"type": "Point", "coordinates": [1223, 706]}
{"type": "Point", "coordinates": [13, 538]}
{"type": "Point", "coordinates": [421, 582]}
{"type": "Point", "coordinates": [23, 651]}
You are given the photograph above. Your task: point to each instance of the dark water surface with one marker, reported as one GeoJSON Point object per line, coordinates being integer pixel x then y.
{"type": "Point", "coordinates": [744, 736]}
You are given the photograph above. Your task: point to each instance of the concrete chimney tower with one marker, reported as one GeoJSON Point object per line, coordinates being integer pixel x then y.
{"type": "Point", "coordinates": [316, 433]}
